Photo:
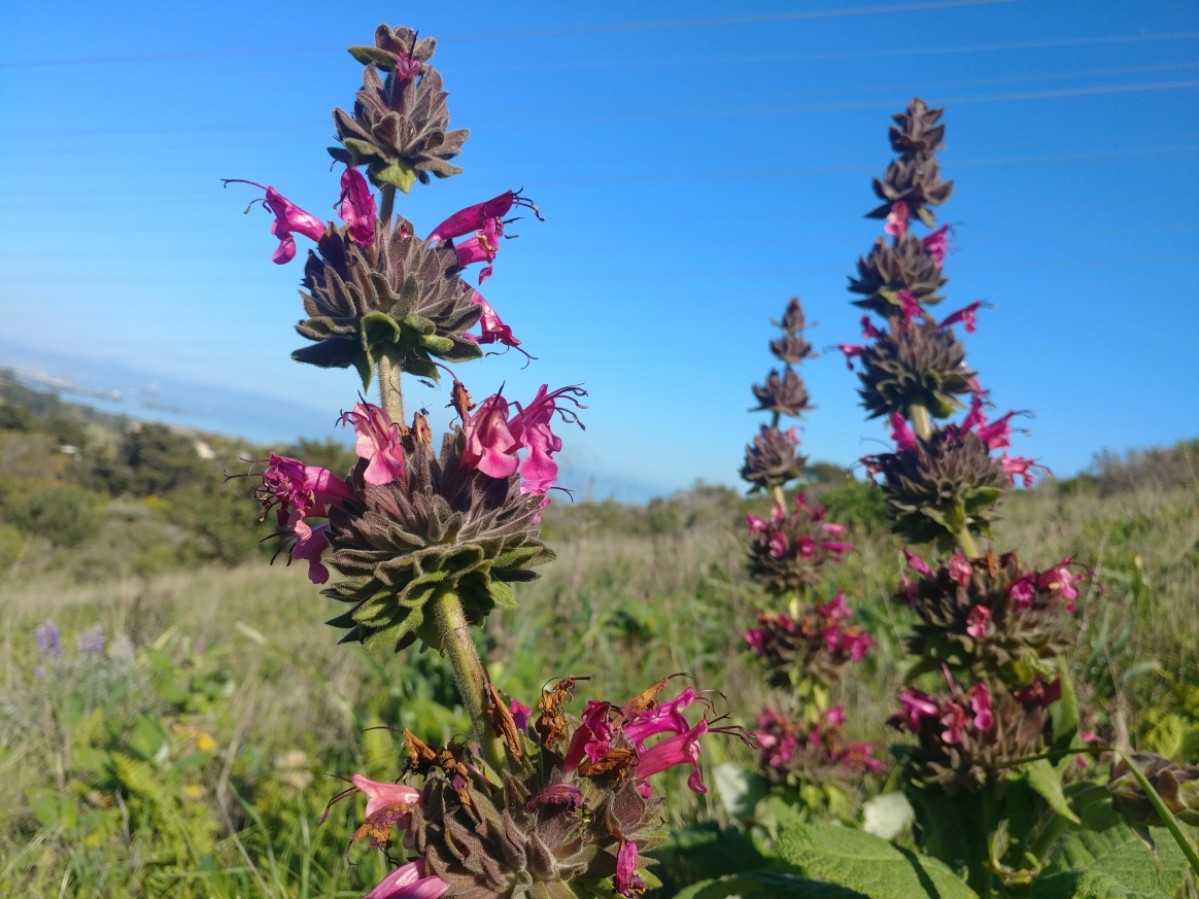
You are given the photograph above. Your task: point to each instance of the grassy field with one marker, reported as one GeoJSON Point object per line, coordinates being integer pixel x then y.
{"type": "Point", "coordinates": [193, 754]}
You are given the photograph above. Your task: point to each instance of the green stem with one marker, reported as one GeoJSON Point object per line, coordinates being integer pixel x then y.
{"type": "Point", "coordinates": [387, 198]}
{"type": "Point", "coordinates": [966, 543]}
{"type": "Point", "coordinates": [922, 424]}
{"type": "Point", "coordinates": [457, 645]}
{"type": "Point", "coordinates": [391, 396]}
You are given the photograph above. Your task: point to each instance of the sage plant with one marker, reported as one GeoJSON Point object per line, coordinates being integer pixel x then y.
{"type": "Point", "coordinates": [805, 643]}
{"type": "Point", "coordinates": [427, 535]}
{"type": "Point", "coordinates": [989, 700]}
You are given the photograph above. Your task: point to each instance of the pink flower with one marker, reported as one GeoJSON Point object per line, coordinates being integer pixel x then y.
{"type": "Point", "coordinates": [487, 221]}
{"type": "Point", "coordinates": [378, 442]}
{"type": "Point", "coordinates": [756, 525]}
{"type": "Point", "coordinates": [901, 433]}
{"type": "Point", "coordinates": [1023, 591]}
{"type": "Point", "coordinates": [473, 218]}
{"type": "Point", "coordinates": [1061, 579]}
{"type": "Point", "coordinates": [681, 749]}
{"type": "Point", "coordinates": [666, 717]}
{"type": "Point", "coordinates": [978, 622]}
{"type": "Point", "coordinates": [521, 714]}
{"type": "Point", "coordinates": [980, 703]}
{"type": "Point", "coordinates": [1018, 467]}
{"type": "Point", "coordinates": [861, 757]}
{"type": "Point", "coordinates": [357, 207]}
{"type": "Point", "coordinates": [298, 489]}
{"type": "Point", "coordinates": [310, 544]}
{"type": "Point", "coordinates": [288, 218]}
{"type": "Point", "coordinates": [916, 563]}
{"type": "Point", "coordinates": [409, 882]}
{"type": "Point", "coordinates": [835, 608]}
{"type": "Point", "coordinates": [1039, 693]}
{"type": "Point", "coordinates": [493, 439]}
{"type": "Point", "coordinates": [917, 706]}
{"type": "Point", "coordinates": [968, 315]}
{"type": "Point", "coordinates": [382, 795]}
{"type": "Point", "coordinates": [835, 716]}
{"type": "Point", "coordinates": [909, 306]}
{"type": "Point", "coordinates": [897, 219]}
{"type": "Point", "coordinates": [494, 330]}
{"type": "Point", "coordinates": [961, 572]}
{"type": "Point", "coordinates": [592, 738]}
{"type": "Point", "coordinates": [937, 244]}
{"type": "Point", "coordinates": [625, 881]}
{"type": "Point", "coordinates": [851, 350]}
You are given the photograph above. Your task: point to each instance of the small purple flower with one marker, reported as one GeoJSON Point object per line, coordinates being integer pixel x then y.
{"type": "Point", "coordinates": [91, 640]}
{"type": "Point", "coordinates": [897, 219]}
{"type": "Point", "coordinates": [49, 644]}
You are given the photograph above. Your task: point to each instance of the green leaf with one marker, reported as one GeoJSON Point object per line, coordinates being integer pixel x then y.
{"type": "Point", "coordinates": [1045, 780]}
{"type": "Point", "coordinates": [872, 866]}
{"type": "Point", "coordinates": [397, 174]}
{"type": "Point", "coordinates": [1065, 715]}
{"type": "Point", "coordinates": [1114, 864]}
{"type": "Point", "coordinates": [367, 55]}
{"type": "Point", "coordinates": [766, 885]}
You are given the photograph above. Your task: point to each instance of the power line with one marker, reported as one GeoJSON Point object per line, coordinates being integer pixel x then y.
{"type": "Point", "coordinates": [523, 34]}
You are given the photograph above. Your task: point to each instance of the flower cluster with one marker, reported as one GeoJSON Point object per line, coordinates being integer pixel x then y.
{"type": "Point", "coordinates": [806, 650]}
{"type": "Point", "coordinates": [792, 748]}
{"type": "Point", "coordinates": [574, 805]}
{"type": "Point", "coordinates": [819, 644]}
{"type": "Point", "coordinates": [990, 632]}
{"type": "Point", "coordinates": [409, 523]}
{"type": "Point", "coordinates": [942, 483]}
{"type": "Point", "coordinates": [788, 550]}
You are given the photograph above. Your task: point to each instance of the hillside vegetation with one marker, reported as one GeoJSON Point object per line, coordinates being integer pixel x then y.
{"type": "Point", "coordinates": [175, 715]}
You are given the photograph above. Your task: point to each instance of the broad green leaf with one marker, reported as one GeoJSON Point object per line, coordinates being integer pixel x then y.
{"type": "Point", "coordinates": [1046, 781]}
{"type": "Point", "coordinates": [767, 885]}
{"type": "Point", "coordinates": [1114, 863]}
{"type": "Point", "coordinates": [1065, 715]}
{"type": "Point", "coordinates": [872, 866]}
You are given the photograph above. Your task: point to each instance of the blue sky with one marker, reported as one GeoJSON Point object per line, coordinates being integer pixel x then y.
{"type": "Point", "coordinates": [697, 164]}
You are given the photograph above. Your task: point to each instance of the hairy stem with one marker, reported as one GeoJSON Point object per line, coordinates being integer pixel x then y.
{"type": "Point", "coordinates": [457, 645]}
{"type": "Point", "coordinates": [391, 396]}
{"type": "Point", "coordinates": [387, 198]}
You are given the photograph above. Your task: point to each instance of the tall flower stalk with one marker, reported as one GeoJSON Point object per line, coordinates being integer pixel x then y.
{"type": "Point", "coordinates": [427, 535]}
{"type": "Point", "coordinates": [804, 641]}
{"type": "Point", "coordinates": [989, 699]}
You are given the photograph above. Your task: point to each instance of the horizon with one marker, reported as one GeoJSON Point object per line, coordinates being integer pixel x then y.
{"type": "Point", "coordinates": [695, 173]}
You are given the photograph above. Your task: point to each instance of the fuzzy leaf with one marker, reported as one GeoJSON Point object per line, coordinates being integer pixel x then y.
{"type": "Point", "coordinates": [1114, 864]}
{"type": "Point", "coordinates": [397, 174]}
{"type": "Point", "coordinates": [766, 885]}
{"type": "Point", "coordinates": [1047, 782]}
{"type": "Point", "coordinates": [863, 862]}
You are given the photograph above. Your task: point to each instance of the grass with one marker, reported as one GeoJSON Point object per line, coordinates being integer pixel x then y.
{"type": "Point", "coordinates": [195, 755]}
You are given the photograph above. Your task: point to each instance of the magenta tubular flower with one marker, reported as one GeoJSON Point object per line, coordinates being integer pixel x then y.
{"type": "Point", "coordinates": [521, 714]}
{"type": "Point", "coordinates": [531, 427]}
{"type": "Point", "coordinates": [299, 490]}
{"type": "Point", "coordinates": [490, 446]}
{"type": "Point", "coordinates": [494, 329]}
{"type": "Point", "coordinates": [666, 717]}
{"type": "Point", "coordinates": [592, 738]}
{"type": "Point", "coordinates": [954, 718]}
{"type": "Point", "coordinates": [897, 219]}
{"type": "Point", "coordinates": [310, 544]}
{"type": "Point", "coordinates": [980, 703]}
{"type": "Point", "coordinates": [937, 244]}
{"type": "Point", "coordinates": [916, 563]}
{"type": "Point", "coordinates": [901, 433]}
{"type": "Point", "coordinates": [917, 706]}
{"type": "Point", "coordinates": [475, 218]}
{"type": "Point", "coordinates": [835, 608]}
{"type": "Point", "coordinates": [380, 795]}
{"type": "Point", "coordinates": [968, 315]}
{"type": "Point", "coordinates": [625, 881]}
{"type": "Point", "coordinates": [978, 622]}
{"type": "Point", "coordinates": [288, 218]}
{"type": "Point", "coordinates": [961, 572]}
{"type": "Point", "coordinates": [1018, 467]}
{"type": "Point", "coordinates": [909, 306]}
{"type": "Point", "coordinates": [681, 749]}
{"type": "Point", "coordinates": [851, 351]}
{"type": "Point", "coordinates": [409, 882]}
{"type": "Point", "coordinates": [378, 442]}
{"type": "Point", "coordinates": [357, 209]}
{"type": "Point", "coordinates": [483, 247]}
